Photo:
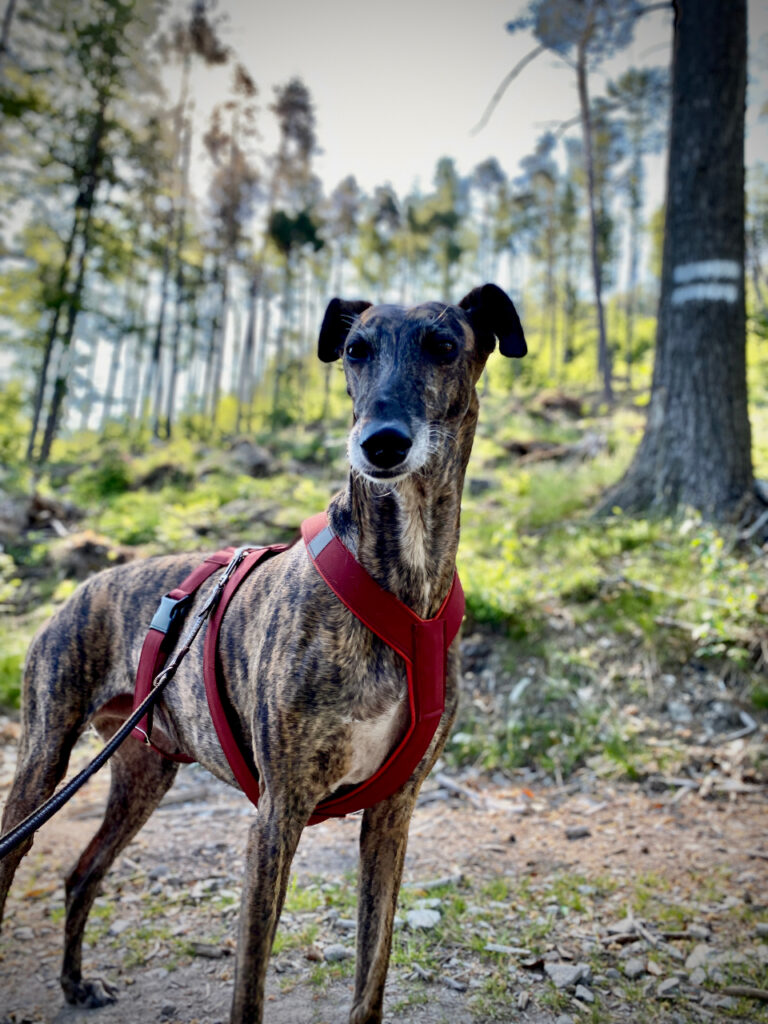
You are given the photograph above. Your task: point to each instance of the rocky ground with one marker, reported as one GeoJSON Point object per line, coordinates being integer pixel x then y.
{"type": "Point", "coordinates": [588, 901]}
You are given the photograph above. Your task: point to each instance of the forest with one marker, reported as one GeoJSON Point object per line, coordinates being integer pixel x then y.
{"type": "Point", "coordinates": [163, 278]}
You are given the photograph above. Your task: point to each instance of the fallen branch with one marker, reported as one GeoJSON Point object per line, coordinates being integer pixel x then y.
{"type": "Point", "coordinates": [746, 992]}
{"type": "Point", "coordinates": [456, 787]}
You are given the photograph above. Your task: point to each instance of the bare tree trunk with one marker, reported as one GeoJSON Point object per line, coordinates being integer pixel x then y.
{"type": "Point", "coordinates": [153, 382]}
{"type": "Point", "coordinates": [5, 32]}
{"type": "Point", "coordinates": [757, 273]}
{"type": "Point", "coordinates": [696, 449]}
{"type": "Point", "coordinates": [109, 391]}
{"type": "Point", "coordinates": [245, 378]}
{"type": "Point", "coordinates": [179, 285]}
{"type": "Point", "coordinates": [53, 330]}
{"type": "Point", "coordinates": [89, 182]}
{"type": "Point", "coordinates": [634, 233]}
{"type": "Point", "coordinates": [219, 340]}
{"type": "Point", "coordinates": [603, 354]}
{"type": "Point", "coordinates": [61, 384]}
{"type": "Point", "coordinates": [134, 395]}
{"type": "Point", "coordinates": [285, 315]}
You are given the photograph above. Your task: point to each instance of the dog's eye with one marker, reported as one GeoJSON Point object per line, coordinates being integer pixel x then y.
{"type": "Point", "coordinates": [442, 349]}
{"type": "Point", "coordinates": [357, 351]}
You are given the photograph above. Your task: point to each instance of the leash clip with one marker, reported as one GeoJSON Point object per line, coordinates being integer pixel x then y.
{"type": "Point", "coordinates": [236, 559]}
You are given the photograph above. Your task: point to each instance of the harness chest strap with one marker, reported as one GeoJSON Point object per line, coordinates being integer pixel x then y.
{"type": "Point", "coordinates": [422, 643]}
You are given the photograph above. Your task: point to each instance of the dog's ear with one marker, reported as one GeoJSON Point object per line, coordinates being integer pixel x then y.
{"type": "Point", "coordinates": [492, 315]}
{"type": "Point", "coordinates": [339, 317]}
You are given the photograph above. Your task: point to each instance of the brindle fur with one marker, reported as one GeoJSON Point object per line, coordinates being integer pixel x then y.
{"type": "Point", "coordinates": [305, 680]}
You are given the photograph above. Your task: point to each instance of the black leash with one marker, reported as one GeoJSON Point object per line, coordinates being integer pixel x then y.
{"type": "Point", "coordinates": [38, 817]}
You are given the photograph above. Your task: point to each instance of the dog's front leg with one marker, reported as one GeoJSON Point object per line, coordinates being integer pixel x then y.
{"type": "Point", "coordinates": [383, 838]}
{"type": "Point", "coordinates": [272, 842]}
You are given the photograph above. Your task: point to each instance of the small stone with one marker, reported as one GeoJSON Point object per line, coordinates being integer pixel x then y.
{"type": "Point", "coordinates": [577, 832]}
{"type": "Point", "coordinates": [24, 934]}
{"type": "Point", "coordinates": [613, 973]}
{"type": "Point", "coordinates": [433, 903]}
{"type": "Point", "coordinates": [564, 1018]}
{"type": "Point", "coordinates": [711, 1000]}
{"type": "Point", "coordinates": [653, 968]}
{"type": "Point", "coordinates": [345, 924]}
{"type": "Point", "coordinates": [567, 975]}
{"type": "Point", "coordinates": [584, 994]}
{"type": "Point", "coordinates": [668, 987]}
{"type": "Point", "coordinates": [119, 926]}
{"type": "Point", "coordinates": [624, 927]}
{"type": "Point", "coordinates": [634, 968]}
{"type": "Point", "coordinates": [679, 712]}
{"type": "Point", "coordinates": [523, 998]}
{"type": "Point", "coordinates": [698, 976]}
{"type": "Point", "coordinates": [336, 953]}
{"type": "Point", "coordinates": [761, 930]}
{"type": "Point", "coordinates": [422, 918]}
{"type": "Point", "coordinates": [697, 957]}
{"type": "Point", "coordinates": [698, 931]}
{"type": "Point", "coordinates": [168, 1011]}
{"type": "Point", "coordinates": [453, 983]}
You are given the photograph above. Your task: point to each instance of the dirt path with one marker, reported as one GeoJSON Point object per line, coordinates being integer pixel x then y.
{"type": "Point", "coordinates": [652, 909]}
{"type": "Point", "coordinates": [661, 898]}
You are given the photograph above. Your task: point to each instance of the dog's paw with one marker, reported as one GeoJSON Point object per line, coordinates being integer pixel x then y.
{"type": "Point", "coordinates": [89, 993]}
{"type": "Point", "coordinates": [362, 1014]}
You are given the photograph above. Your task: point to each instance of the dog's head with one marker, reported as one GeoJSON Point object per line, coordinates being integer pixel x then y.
{"type": "Point", "coordinates": [411, 373]}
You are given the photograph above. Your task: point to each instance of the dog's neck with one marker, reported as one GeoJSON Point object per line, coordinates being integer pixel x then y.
{"type": "Point", "coordinates": [406, 534]}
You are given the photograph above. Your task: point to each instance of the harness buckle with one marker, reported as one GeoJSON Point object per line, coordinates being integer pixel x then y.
{"type": "Point", "coordinates": [169, 609]}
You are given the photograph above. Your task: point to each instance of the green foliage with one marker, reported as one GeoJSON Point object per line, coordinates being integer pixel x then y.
{"type": "Point", "coordinates": [12, 651]}
{"type": "Point", "coordinates": [107, 478]}
{"type": "Point", "coordinates": [14, 429]}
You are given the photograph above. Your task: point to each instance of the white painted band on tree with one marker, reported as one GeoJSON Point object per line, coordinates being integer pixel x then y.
{"type": "Point", "coordinates": [705, 292]}
{"type": "Point", "coordinates": [707, 270]}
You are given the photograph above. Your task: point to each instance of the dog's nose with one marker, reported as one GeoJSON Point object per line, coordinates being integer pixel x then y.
{"type": "Point", "coordinates": [385, 444]}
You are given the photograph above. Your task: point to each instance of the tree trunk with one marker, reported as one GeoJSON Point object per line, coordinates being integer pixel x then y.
{"type": "Point", "coordinates": [634, 242]}
{"type": "Point", "coordinates": [283, 329]}
{"type": "Point", "coordinates": [153, 386]}
{"type": "Point", "coordinates": [53, 330]}
{"type": "Point", "coordinates": [220, 336]}
{"type": "Point", "coordinates": [184, 146]}
{"type": "Point", "coordinates": [696, 450]}
{"type": "Point", "coordinates": [603, 355]}
{"type": "Point", "coordinates": [87, 185]}
{"type": "Point", "coordinates": [5, 32]}
{"type": "Point", "coordinates": [134, 398]}
{"type": "Point", "coordinates": [109, 392]}
{"type": "Point", "coordinates": [245, 381]}
{"type": "Point", "coordinates": [61, 384]}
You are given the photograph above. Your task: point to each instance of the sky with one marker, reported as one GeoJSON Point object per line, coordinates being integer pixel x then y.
{"type": "Point", "coordinates": [397, 86]}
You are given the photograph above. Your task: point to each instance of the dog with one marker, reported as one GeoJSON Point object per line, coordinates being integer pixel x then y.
{"type": "Point", "coordinates": [319, 701]}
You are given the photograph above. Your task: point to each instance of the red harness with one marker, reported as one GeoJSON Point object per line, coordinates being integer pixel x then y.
{"type": "Point", "coordinates": [422, 643]}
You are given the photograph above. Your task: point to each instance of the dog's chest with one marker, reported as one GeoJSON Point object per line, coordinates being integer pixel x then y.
{"type": "Point", "coordinates": [371, 741]}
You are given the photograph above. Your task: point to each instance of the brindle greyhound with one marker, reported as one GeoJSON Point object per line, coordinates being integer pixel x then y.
{"type": "Point", "coordinates": [320, 701]}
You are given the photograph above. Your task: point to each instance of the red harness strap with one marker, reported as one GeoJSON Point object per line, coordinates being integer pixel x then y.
{"type": "Point", "coordinates": [161, 637]}
{"type": "Point", "coordinates": [422, 643]}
